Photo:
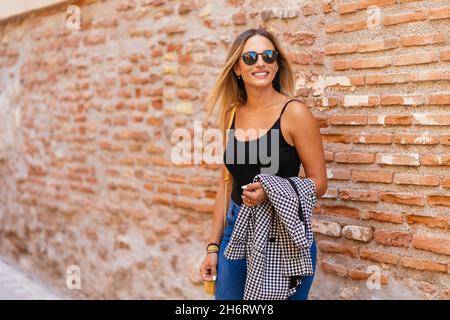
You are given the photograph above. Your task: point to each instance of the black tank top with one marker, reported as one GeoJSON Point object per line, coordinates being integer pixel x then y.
{"type": "Point", "coordinates": [244, 170]}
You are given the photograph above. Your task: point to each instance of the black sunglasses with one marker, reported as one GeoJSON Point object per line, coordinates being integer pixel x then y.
{"type": "Point", "coordinates": [251, 57]}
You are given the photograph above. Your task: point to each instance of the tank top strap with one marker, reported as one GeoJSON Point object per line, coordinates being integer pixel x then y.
{"type": "Point", "coordinates": [286, 106]}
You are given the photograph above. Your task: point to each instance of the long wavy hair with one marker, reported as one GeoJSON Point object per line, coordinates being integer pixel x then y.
{"type": "Point", "coordinates": [228, 90]}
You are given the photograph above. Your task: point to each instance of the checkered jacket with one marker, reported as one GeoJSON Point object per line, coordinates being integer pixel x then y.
{"type": "Point", "coordinates": [275, 237]}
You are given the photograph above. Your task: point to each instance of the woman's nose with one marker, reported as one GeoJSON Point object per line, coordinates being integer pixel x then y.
{"type": "Point", "coordinates": [260, 61]}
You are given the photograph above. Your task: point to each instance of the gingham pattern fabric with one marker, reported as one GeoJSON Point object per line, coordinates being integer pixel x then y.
{"type": "Point", "coordinates": [273, 239]}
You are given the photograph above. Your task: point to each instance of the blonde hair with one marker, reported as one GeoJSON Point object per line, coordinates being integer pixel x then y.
{"type": "Point", "coordinates": [229, 90]}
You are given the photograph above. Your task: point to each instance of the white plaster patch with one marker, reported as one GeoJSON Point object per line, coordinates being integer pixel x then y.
{"type": "Point", "coordinates": [381, 119]}
{"type": "Point", "coordinates": [389, 159]}
{"type": "Point", "coordinates": [424, 138]}
{"type": "Point", "coordinates": [184, 108]}
{"type": "Point", "coordinates": [352, 100]}
{"type": "Point", "coordinates": [424, 119]}
{"type": "Point", "coordinates": [329, 174]}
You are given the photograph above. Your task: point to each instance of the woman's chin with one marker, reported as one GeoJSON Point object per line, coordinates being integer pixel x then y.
{"type": "Point", "coordinates": [261, 83]}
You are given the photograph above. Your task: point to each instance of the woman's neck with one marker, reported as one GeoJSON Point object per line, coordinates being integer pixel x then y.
{"type": "Point", "coordinates": [259, 99]}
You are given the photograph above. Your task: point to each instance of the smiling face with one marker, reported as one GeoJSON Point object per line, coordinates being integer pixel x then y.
{"type": "Point", "coordinates": [261, 73]}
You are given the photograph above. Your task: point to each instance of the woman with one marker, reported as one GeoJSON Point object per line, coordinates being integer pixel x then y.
{"type": "Point", "coordinates": [257, 77]}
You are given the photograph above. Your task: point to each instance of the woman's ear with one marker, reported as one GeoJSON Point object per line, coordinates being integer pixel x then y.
{"type": "Point", "coordinates": [236, 70]}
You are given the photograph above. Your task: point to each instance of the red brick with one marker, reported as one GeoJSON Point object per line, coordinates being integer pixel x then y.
{"type": "Point", "coordinates": [336, 138]}
{"type": "Point", "coordinates": [336, 174]}
{"type": "Point", "coordinates": [344, 8]}
{"type": "Point", "coordinates": [415, 58]}
{"type": "Point", "coordinates": [404, 18]}
{"type": "Point", "coordinates": [438, 199]}
{"type": "Point", "coordinates": [379, 62]}
{"type": "Point", "coordinates": [358, 195]}
{"type": "Point", "coordinates": [383, 216]}
{"type": "Point", "coordinates": [403, 100]}
{"type": "Point", "coordinates": [357, 274]}
{"type": "Point", "coordinates": [432, 243]}
{"type": "Point", "coordinates": [239, 18]}
{"type": "Point", "coordinates": [341, 211]}
{"type": "Point", "coordinates": [301, 38]}
{"type": "Point", "coordinates": [348, 119]}
{"type": "Point", "coordinates": [355, 26]}
{"type": "Point", "coordinates": [308, 10]}
{"type": "Point", "coordinates": [193, 206]}
{"type": "Point", "coordinates": [445, 139]}
{"type": "Point", "coordinates": [333, 28]}
{"type": "Point", "coordinates": [175, 178]}
{"type": "Point", "coordinates": [357, 80]}
{"type": "Point", "coordinates": [389, 78]}
{"type": "Point", "coordinates": [173, 29]}
{"type": "Point", "coordinates": [340, 48]}
{"type": "Point", "coordinates": [402, 198]}
{"type": "Point", "coordinates": [398, 120]}
{"type": "Point", "coordinates": [333, 247]}
{"type": "Point", "coordinates": [435, 160]}
{"type": "Point", "coordinates": [393, 238]}
{"type": "Point", "coordinates": [94, 38]}
{"type": "Point", "coordinates": [300, 58]}
{"type": "Point", "coordinates": [318, 57]}
{"type": "Point", "coordinates": [439, 13]}
{"type": "Point", "coordinates": [185, 8]}
{"type": "Point", "coordinates": [166, 189]}
{"type": "Point", "coordinates": [347, 157]}
{"type": "Point", "coordinates": [432, 222]}
{"type": "Point", "coordinates": [341, 65]}
{"type": "Point", "coordinates": [363, 4]}
{"type": "Point", "coordinates": [446, 182]}
{"type": "Point", "coordinates": [445, 55]}
{"type": "Point", "coordinates": [377, 176]}
{"type": "Point", "coordinates": [421, 40]}
{"type": "Point", "coordinates": [382, 257]}
{"type": "Point", "coordinates": [333, 268]}
{"type": "Point", "coordinates": [423, 264]}
{"type": "Point", "coordinates": [439, 99]}
{"type": "Point", "coordinates": [378, 45]}
{"type": "Point", "coordinates": [416, 179]}
{"type": "Point", "coordinates": [327, 6]}
{"type": "Point", "coordinates": [189, 192]}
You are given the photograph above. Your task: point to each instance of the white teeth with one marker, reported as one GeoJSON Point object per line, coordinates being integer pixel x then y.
{"type": "Point", "coordinates": [260, 73]}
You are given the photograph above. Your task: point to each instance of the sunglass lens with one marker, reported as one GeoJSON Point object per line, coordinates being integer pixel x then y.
{"type": "Point", "coordinates": [250, 57]}
{"type": "Point", "coordinates": [269, 56]}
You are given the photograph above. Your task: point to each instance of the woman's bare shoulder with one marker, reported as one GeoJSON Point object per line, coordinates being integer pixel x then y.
{"type": "Point", "coordinates": [297, 113]}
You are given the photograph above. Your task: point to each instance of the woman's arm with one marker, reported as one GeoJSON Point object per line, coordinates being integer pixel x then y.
{"type": "Point", "coordinates": [219, 204]}
{"type": "Point", "coordinates": [305, 131]}
{"type": "Point", "coordinates": [218, 211]}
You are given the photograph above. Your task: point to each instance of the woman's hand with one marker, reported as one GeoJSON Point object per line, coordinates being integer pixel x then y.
{"type": "Point", "coordinates": [208, 268]}
{"type": "Point", "coordinates": [253, 194]}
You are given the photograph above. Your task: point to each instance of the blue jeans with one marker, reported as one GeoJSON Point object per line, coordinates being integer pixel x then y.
{"type": "Point", "coordinates": [231, 274]}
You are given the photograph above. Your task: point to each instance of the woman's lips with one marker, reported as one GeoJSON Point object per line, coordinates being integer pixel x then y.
{"type": "Point", "coordinates": [260, 74]}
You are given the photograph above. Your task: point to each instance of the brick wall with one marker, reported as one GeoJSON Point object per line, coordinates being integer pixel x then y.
{"type": "Point", "coordinates": [87, 116]}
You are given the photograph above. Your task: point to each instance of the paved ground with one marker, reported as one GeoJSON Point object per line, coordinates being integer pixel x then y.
{"type": "Point", "coordinates": [15, 285]}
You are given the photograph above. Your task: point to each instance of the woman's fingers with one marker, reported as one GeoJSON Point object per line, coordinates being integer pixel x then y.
{"type": "Point", "coordinates": [206, 273]}
{"type": "Point", "coordinates": [249, 195]}
{"type": "Point", "coordinates": [246, 201]}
